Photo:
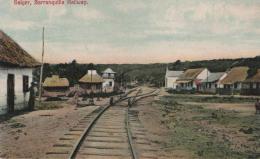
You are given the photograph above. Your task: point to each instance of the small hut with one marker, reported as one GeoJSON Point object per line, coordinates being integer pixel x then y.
{"type": "Point", "coordinates": [251, 86]}
{"type": "Point", "coordinates": [91, 82]}
{"type": "Point", "coordinates": [232, 83]}
{"type": "Point", "coordinates": [55, 86]}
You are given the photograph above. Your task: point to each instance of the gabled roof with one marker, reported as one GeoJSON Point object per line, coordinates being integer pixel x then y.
{"type": "Point", "coordinates": [56, 81]}
{"type": "Point", "coordinates": [214, 77]}
{"type": "Point", "coordinates": [191, 74]}
{"type": "Point", "coordinates": [13, 54]}
{"type": "Point", "coordinates": [255, 78]}
{"type": "Point", "coordinates": [91, 77]}
{"type": "Point", "coordinates": [173, 73]}
{"type": "Point", "coordinates": [236, 74]}
{"type": "Point", "coordinates": [108, 70]}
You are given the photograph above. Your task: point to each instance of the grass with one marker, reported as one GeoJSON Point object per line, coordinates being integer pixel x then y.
{"type": "Point", "coordinates": [211, 99]}
{"type": "Point", "coordinates": [209, 133]}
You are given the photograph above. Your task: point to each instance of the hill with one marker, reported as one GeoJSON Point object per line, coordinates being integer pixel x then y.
{"type": "Point", "coordinates": [145, 73]}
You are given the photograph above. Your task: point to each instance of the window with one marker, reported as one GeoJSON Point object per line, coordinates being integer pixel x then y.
{"type": "Point", "coordinates": [235, 85]}
{"type": "Point", "coordinates": [25, 84]}
{"type": "Point", "coordinates": [110, 84]}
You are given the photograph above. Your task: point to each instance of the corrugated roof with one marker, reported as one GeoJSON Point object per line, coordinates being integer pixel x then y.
{"type": "Point", "coordinates": [236, 74]}
{"type": "Point", "coordinates": [191, 74]}
{"type": "Point", "coordinates": [255, 78]}
{"type": "Point", "coordinates": [91, 78]}
{"type": "Point", "coordinates": [214, 77]}
{"type": "Point", "coordinates": [108, 70]}
{"type": "Point", "coordinates": [13, 54]}
{"type": "Point", "coordinates": [173, 73]}
{"type": "Point", "coordinates": [56, 81]}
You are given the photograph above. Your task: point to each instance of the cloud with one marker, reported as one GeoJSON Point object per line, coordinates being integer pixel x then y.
{"type": "Point", "coordinates": [88, 14]}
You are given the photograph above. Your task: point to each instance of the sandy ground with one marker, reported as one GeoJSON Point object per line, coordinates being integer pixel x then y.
{"type": "Point", "coordinates": [39, 130]}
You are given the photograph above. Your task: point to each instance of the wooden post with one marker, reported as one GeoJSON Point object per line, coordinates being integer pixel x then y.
{"type": "Point", "coordinates": [41, 73]}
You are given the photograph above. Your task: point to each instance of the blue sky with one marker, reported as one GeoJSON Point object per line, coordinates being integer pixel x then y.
{"type": "Point", "coordinates": [124, 31]}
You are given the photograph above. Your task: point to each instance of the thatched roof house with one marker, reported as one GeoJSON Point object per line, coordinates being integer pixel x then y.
{"type": "Point", "coordinates": [16, 67]}
{"type": "Point", "coordinates": [13, 54]}
{"type": "Point", "coordinates": [189, 75]}
{"type": "Point", "coordinates": [55, 81]}
{"type": "Point", "coordinates": [254, 79]}
{"type": "Point", "coordinates": [91, 77]}
{"type": "Point", "coordinates": [251, 86]}
{"type": "Point", "coordinates": [236, 74]}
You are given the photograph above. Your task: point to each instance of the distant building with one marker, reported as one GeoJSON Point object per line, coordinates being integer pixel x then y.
{"type": "Point", "coordinates": [210, 84]}
{"type": "Point", "coordinates": [232, 83]}
{"type": "Point", "coordinates": [171, 78]}
{"type": "Point", "coordinates": [16, 67]}
{"type": "Point", "coordinates": [191, 79]}
{"type": "Point", "coordinates": [251, 86]}
{"type": "Point", "coordinates": [91, 82]}
{"type": "Point", "coordinates": [108, 80]}
{"type": "Point", "coordinates": [55, 86]}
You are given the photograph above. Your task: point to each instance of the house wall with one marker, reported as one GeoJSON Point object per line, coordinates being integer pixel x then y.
{"type": "Point", "coordinates": [106, 87]}
{"type": "Point", "coordinates": [203, 75]}
{"type": "Point", "coordinates": [21, 98]}
{"type": "Point", "coordinates": [170, 82]}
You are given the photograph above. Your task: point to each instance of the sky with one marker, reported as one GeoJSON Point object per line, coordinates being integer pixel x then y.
{"type": "Point", "coordinates": [135, 31]}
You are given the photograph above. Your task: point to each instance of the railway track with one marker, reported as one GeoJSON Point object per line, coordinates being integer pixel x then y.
{"type": "Point", "coordinates": [108, 132]}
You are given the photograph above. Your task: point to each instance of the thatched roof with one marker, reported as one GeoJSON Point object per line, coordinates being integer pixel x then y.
{"type": "Point", "coordinates": [190, 74]}
{"type": "Point", "coordinates": [91, 77]}
{"type": "Point", "coordinates": [236, 74]}
{"type": "Point", "coordinates": [255, 78]}
{"type": "Point", "coordinates": [213, 77]}
{"type": "Point", "coordinates": [13, 54]}
{"type": "Point", "coordinates": [56, 81]}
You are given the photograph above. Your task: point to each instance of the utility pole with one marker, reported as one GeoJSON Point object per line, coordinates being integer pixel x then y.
{"type": "Point", "coordinates": [41, 73]}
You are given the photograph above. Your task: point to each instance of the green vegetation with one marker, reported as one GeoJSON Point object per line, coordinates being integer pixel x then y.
{"type": "Point", "coordinates": [210, 99]}
{"type": "Point", "coordinates": [210, 133]}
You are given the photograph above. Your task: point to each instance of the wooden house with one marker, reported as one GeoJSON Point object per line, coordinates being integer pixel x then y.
{"type": "Point", "coordinates": [16, 67]}
{"type": "Point", "coordinates": [55, 86]}
{"type": "Point", "coordinates": [171, 78]}
{"type": "Point", "coordinates": [191, 79]}
{"type": "Point", "coordinates": [232, 83]}
{"type": "Point", "coordinates": [91, 82]}
{"type": "Point", "coordinates": [211, 84]}
{"type": "Point", "coordinates": [251, 86]}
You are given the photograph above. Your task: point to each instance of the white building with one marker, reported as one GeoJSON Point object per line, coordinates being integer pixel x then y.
{"type": "Point", "coordinates": [171, 77]}
{"type": "Point", "coordinates": [108, 80]}
{"type": "Point", "coordinates": [16, 67]}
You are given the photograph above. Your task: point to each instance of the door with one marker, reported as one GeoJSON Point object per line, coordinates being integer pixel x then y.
{"type": "Point", "coordinates": [10, 93]}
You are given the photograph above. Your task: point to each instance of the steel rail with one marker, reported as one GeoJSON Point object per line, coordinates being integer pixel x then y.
{"type": "Point", "coordinates": [129, 136]}
{"type": "Point", "coordinates": [93, 122]}
{"type": "Point", "coordinates": [88, 129]}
